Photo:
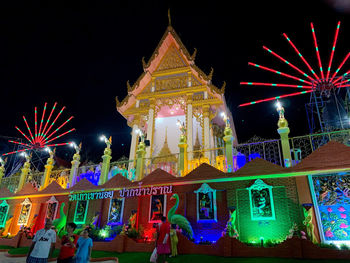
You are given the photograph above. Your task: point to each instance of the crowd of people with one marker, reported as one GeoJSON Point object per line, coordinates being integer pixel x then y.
{"type": "Point", "coordinates": [77, 249]}
{"type": "Point", "coordinates": [74, 249]}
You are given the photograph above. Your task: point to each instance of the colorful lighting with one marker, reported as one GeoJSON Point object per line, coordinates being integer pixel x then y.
{"type": "Point", "coordinates": [41, 132]}
{"type": "Point", "coordinates": [317, 83]}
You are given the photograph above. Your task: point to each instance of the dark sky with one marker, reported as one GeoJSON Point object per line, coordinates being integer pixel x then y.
{"type": "Point", "coordinates": [82, 55]}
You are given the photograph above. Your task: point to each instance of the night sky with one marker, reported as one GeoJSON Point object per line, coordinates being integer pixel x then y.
{"type": "Point", "coordinates": [82, 56]}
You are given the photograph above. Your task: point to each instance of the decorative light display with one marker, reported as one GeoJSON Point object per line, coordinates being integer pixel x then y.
{"type": "Point", "coordinates": [45, 134]}
{"type": "Point", "coordinates": [323, 82]}
{"type": "Point", "coordinates": [4, 209]}
{"type": "Point", "coordinates": [81, 212]}
{"type": "Point", "coordinates": [332, 198]}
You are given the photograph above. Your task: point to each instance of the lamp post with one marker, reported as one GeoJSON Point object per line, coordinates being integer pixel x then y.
{"type": "Point", "coordinates": [107, 156]}
{"type": "Point", "coordinates": [183, 149]}
{"type": "Point", "coordinates": [75, 164]}
{"type": "Point", "coordinates": [283, 131]}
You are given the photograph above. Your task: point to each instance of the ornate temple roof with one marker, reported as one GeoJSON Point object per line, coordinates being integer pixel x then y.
{"type": "Point", "coordinates": [170, 51]}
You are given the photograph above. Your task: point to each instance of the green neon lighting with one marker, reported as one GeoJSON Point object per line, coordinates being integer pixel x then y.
{"type": "Point", "coordinates": [261, 201]}
{"type": "Point", "coordinates": [333, 48]}
{"type": "Point", "coordinates": [250, 83]}
{"type": "Point", "coordinates": [256, 65]}
{"type": "Point", "coordinates": [80, 213]}
{"type": "Point", "coordinates": [274, 85]}
{"type": "Point", "coordinates": [320, 68]}
{"type": "Point", "coordinates": [313, 72]}
{"type": "Point", "coordinates": [300, 86]}
{"type": "Point", "coordinates": [253, 102]}
{"type": "Point", "coordinates": [329, 68]}
{"type": "Point", "coordinates": [287, 62]}
{"type": "Point", "coordinates": [301, 80]}
{"type": "Point", "coordinates": [317, 49]}
{"type": "Point", "coordinates": [313, 30]}
{"type": "Point", "coordinates": [288, 39]}
{"type": "Point", "coordinates": [306, 75]}
{"type": "Point", "coordinates": [4, 210]}
{"type": "Point", "coordinates": [303, 92]}
{"type": "Point", "coordinates": [278, 97]}
{"type": "Point", "coordinates": [278, 72]}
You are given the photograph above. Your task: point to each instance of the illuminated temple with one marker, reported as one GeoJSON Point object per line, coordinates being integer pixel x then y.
{"type": "Point", "coordinates": [185, 160]}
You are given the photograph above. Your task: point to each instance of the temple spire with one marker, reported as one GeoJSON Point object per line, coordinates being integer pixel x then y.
{"type": "Point", "coordinates": [169, 18]}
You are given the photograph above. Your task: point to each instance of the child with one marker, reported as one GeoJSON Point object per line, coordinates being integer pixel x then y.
{"type": "Point", "coordinates": [69, 243]}
{"type": "Point", "coordinates": [84, 246]}
{"type": "Point", "coordinates": [174, 240]}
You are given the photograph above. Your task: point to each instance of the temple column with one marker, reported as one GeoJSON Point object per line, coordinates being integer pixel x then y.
{"type": "Point", "coordinates": [74, 169]}
{"type": "Point", "coordinates": [283, 131]}
{"type": "Point", "coordinates": [107, 156]}
{"type": "Point", "coordinates": [140, 160]}
{"type": "Point", "coordinates": [189, 121]}
{"type": "Point", "coordinates": [48, 168]}
{"type": "Point", "coordinates": [134, 137]}
{"type": "Point", "coordinates": [206, 130]}
{"type": "Point", "coordinates": [228, 138]}
{"type": "Point", "coordinates": [24, 172]}
{"type": "Point", "coordinates": [150, 128]}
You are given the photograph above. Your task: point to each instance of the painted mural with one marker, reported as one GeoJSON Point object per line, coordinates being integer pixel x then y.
{"type": "Point", "coordinates": [332, 194]}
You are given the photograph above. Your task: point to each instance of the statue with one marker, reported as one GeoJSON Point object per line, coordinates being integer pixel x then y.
{"type": "Point", "coordinates": [132, 219]}
{"type": "Point", "coordinates": [60, 223]}
{"type": "Point", "coordinates": [179, 220]}
{"type": "Point", "coordinates": [231, 229]}
{"type": "Point", "coordinates": [308, 214]}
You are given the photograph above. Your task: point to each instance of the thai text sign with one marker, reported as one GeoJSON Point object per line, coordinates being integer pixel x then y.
{"type": "Point", "coordinates": [153, 190]}
{"type": "Point", "coordinates": [89, 196]}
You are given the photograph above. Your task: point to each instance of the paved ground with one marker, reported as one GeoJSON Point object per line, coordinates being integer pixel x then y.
{"type": "Point", "coordinates": [4, 259]}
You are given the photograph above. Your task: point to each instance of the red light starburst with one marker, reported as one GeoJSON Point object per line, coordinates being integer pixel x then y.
{"type": "Point", "coordinates": [44, 134]}
{"type": "Point", "coordinates": [323, 83]}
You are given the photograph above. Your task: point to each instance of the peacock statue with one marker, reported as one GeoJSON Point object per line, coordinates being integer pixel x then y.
{"type": "Point", "coordinates": [59, 223]}
{"type": "Point", "coordinates": [179, 220]}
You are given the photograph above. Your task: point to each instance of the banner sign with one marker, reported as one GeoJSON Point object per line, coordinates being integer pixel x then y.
{"type": "Point", "coordinates": [90, 196]}
{"type": "Point", "coordinates": [153, 190]}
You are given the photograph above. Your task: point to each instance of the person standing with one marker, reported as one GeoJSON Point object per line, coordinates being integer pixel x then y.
{"type": "Point", "coordinates": [68, 247]}
{"type": "Point", "coordinates": [174, 240]}
{"type": "Point", "coordinates": [43, 244]}
{"type": "Point", "coordinates": [84, 246]}
{"type": "Point", "coordinates": [163, 240]}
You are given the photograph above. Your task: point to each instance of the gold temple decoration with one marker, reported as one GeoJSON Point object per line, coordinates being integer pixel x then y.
{"type": "Point", "coordinates": [165, 155]}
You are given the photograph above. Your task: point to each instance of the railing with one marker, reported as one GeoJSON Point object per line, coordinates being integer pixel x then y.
{"type": "Point", "coordinates": [10, 182]}
{"type": "Point", "coordinates": [35, 179]}
{"type": "Point", "coordinates": [60, 176]}
{"type": "Point", "coordinates": [269, 150]}
{"type": "Point", "coordinates": [309, 143]}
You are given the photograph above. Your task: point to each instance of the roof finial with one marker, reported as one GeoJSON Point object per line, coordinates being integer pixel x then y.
{"type": "Point", "coordinates": [169, 17]}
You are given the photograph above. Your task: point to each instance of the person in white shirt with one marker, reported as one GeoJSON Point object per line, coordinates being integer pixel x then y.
{"type": "Point", "coordinates": [43, 244]}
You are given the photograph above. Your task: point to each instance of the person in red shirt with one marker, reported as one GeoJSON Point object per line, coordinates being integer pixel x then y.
{"type": "Point", "coordinates": [68, 247]}
{"type": "Point", "coordinates": [163, 240]}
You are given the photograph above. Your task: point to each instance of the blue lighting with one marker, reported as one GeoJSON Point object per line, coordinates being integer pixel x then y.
{"type": "Point", "coordinates": [91, 176]}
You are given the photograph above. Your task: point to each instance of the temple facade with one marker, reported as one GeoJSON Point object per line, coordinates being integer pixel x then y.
{"type": "Point", "coordinates": [173, 90]}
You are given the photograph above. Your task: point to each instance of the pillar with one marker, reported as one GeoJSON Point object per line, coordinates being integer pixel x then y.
{"type": "Point", "coordinates": [134, 138]}
{"type": "Point", "coordinates": [106, 157]}
{"type": "Point", "coordinates": [283, 131]}
{"type": "Point", "coordinates": [74, 169]}
{"type": "Point", "coordinates": [150, 128]}
{"type": "Point", "coordinates": [228, 138]}
{"type": "Point", "coordinates": [206, 130]}
{"type": "Point", "coordinates": [183, 155]}
{"type": "Point", "coordinates": [189, 122]}
{"type": "Point", "coordinates": [24, 172]}
{"type": "Point", "coordinates": [48, 168]}
{"type": "Point", "coordinates": [140, 154]}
